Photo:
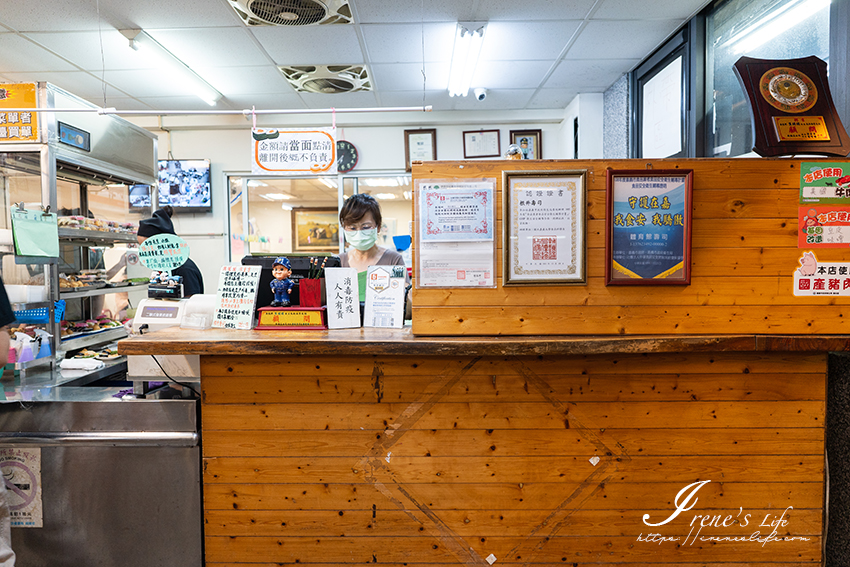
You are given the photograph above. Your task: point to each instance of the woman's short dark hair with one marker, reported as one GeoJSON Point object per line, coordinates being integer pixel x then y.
{"type": "Point", "coordinates": [356, 207]}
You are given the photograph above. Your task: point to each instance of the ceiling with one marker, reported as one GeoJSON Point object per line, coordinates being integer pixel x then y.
{"type": "Point", "coordinates": [537, 54]}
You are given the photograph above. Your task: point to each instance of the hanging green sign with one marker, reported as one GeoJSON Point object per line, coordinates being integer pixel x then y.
{"type": "Point", "coordinates": [164, 252]}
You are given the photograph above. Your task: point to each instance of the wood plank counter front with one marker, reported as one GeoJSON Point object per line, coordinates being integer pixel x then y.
{"type": "Point", "coordinates": [368, 447]}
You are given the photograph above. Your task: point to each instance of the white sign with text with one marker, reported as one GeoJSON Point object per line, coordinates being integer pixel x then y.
{"type": "Point", "coordinates": [237, 297]}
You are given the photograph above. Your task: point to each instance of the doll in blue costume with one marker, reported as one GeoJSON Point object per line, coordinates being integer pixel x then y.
{"type": "Point", "coordinates": [281, 284]}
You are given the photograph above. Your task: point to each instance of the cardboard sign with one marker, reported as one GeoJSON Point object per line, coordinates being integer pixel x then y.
{"type": "Point", "coordinates": [343, 298]}
{"type": "Point", "coordinates": [237, 297]}
{"type": "Point", "coordinates": [384, 296]}
{"type": "Point", "coordinates": [295, 151]}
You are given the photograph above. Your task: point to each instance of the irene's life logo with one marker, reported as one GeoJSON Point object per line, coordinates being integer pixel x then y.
{"type": "Point", "coordinates": [685, 501]}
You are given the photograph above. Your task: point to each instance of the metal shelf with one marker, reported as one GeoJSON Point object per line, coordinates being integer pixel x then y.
{"type": "Point", "coordinates": [95, 237]}
{"type": "Point", "coordinates": [114, 366]}
{"type": "Point", "coordinates": [95, 338]}
{"type": "Point", "coordinates": [100, 291]}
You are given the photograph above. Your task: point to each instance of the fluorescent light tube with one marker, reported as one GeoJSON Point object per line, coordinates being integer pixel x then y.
{"type": "Point", "coordinates": [468, 41]}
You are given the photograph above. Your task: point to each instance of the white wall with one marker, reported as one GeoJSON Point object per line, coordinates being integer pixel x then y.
{"type": "Point", "coordinates": [589, 109]}
{"type": "Point", "coordinates": [379, 138]}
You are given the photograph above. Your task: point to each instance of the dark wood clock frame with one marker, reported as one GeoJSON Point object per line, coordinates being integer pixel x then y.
{"type": "Point", "coordinates": [766, 140]}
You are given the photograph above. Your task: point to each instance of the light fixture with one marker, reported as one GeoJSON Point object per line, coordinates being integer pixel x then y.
{"type": "Point", "coordinates": [173, 71]}
{"type": "Point", "coordinates": [383, 196]}
{"type": "Point", "coordinates": [776, 24]}
{"type": "Point", "coordinates": [285, 207]}
{"type": "Point", "coordinates": [329, 183]}
{"type": "Point", "coordinates": [276, 197]}
{"type": "Point", "coordinates": [408, 195]}
{"type": "Point", "coordinates": [468, 40]}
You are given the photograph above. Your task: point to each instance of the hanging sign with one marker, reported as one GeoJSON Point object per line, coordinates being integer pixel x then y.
{"type": "Point", "coordinates": [36, 233]}
{"type": "Point", "coordinates": [18, 126]}
{"type": "Point", "coordinates": [21, 468]}
{"type": "Point", "coordinates": [343, 298]}
{"type": "Point", "coordinates": [821, 278]}
{"type": "Point", "coordinates": [164, 252]}
{"type": "Point", "coordinates": [237, 297]}
{"type": "Point", "coordinates": [294, 151]}
{"type": "Point", "coordinates": [825, 183]}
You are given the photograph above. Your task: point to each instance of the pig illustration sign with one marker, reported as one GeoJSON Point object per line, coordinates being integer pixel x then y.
{"type": "Point", "coordinates": [821, 278]}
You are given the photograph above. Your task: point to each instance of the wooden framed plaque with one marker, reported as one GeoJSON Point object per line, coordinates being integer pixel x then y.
{"type": "Point", "coordinates": [419, 145]}
{"type": "Point", "coordinates": [648, 227]}
{"type": "Point", "coordinates": [791, 107]}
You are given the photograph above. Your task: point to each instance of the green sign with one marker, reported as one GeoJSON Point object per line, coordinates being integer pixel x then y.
{"type": "Point", "coordinates": [825, 183]}
{"type": "Point", "coordinates": [164, 252]}
{"type": "Point", "coordinates": [35, 233]}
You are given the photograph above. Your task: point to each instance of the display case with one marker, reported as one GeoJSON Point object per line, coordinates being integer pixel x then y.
{"type": "Point", "coordinates": [87, 168]}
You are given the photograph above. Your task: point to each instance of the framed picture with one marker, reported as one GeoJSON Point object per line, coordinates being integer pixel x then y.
{"type": "Point", "coordinates": [419, 145]}
{"type": "Point", "coordinates": [315, 230]}
{"type": "Point", "coordinates": [544, 227]}
{"type": "Point", "coordinates": [529, 143]}
{"type": "Point", "coordinates": [648, 227]}
{"type": "Point", "coordinates": [481, 144]}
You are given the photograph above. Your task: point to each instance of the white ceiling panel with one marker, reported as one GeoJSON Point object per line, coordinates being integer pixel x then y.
{"type": "Point", "coordinates": [84, 49]}
{"type": "Point", "coordinates": [402, 43]}
{"type": "Point", "coordinates": [80, 83]}
{"type": "Point", "coordinates": [348, 100]}
{"type": "Point", "coordinates": [413, 98]}
{"type": "Point", "coordinates": [655, 10]}
{"type": "Point", "coordinates": [127, 103]}
{"type": "Point", "coordinates": [510, 74]}
{"type": "Point", "coordinates": [579, 73]}
{"type": "Point", "coordinates": [414, 11]}
{"type": "Point", "coordinates": [166, 14]}
{"type": "Point", "coordinates": [180, 103]}
{"type": "Point", "coordinates": [144, 83]}
{"type": "Point", "coordinates": [324, 45]}
{"type": "Point", "coordinates": [55, 15]}
{"type": "Point", "coordinates": [501, 99]}
{"type": "Point", "coordinates": [231, 81]}
{"type": "Point", "coordinates": [538, 10]}
{"type": "Point", "coordinates": [267, 101]}
{"type": "Point", "coordinates": [21, 55]}
{"type": "Point", "coordinates": [507, 41]}
{"type": "Point", "coordinates": [621, 40]}
{"type": "Point", "coordinates": [408, 76]}
{"type": "Point", "coordinates": [232, 47]}
{"type": "Point", "coordinates": [552, 98]}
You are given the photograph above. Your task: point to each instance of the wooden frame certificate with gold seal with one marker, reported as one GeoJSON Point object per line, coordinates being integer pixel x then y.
{"type": "Point", "coordinates": [544, 227]}
{"type": "Point", "coordinates": [791, 107]}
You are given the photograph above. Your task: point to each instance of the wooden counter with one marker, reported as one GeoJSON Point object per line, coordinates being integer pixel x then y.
{"type": "Point", "coordinates": [377, 447]}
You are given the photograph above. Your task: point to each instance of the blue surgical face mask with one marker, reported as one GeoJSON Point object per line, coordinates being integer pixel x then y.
{"type": "Point", "coordinates": [362, 239]}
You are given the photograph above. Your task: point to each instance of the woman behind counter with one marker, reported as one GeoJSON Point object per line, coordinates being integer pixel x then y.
{"type": "Point", "coordinates": [360, 219]}
{"type": "Point", "coordinates": [160, 223]}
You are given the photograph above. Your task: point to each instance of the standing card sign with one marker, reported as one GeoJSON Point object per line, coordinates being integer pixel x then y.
{"type": "Point", "coordinates": [791, 107]}
{"type": "Point", "coordinates": [648, 227]}
{"type": "Point", "coordinates": [236, 299]}
{"type": "Point", "coordinates": [294, 151]}
{"type": "Point", "coordinates": [455, 233]}
{"type": "Point", "coordinates": [544, 227]}
{"type": "Point", "coordinates": [343, 298]}
{"type": "Point", "coordinates": [384, 296]}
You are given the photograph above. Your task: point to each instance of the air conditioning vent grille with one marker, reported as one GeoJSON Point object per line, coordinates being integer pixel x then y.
{"type": "Point", "coordinates": [328, 79]}
{"type": "Point", "coordinates": [289, 12]}
{"type": "Point", "coordinates": [328, 86]}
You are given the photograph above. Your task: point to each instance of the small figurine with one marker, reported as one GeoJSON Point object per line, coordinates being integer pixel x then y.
{"type": "Point", "coordinates": [281, 284]}
{"type": "Point", "coordinates": [514, 152]}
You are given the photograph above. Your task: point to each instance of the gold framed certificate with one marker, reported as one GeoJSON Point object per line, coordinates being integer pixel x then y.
{"type": "Point", "coordinates": [544, 229]}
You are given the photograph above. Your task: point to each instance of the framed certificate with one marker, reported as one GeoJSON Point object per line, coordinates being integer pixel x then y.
{"type": "Point", "coordinates": [544, 227]}
{"type": "Point", "coordinates": [419, 145]}
{"type": "Point", "coordinates": [481, 144]}
{"type": "Point", "coordinates": [648, 227]}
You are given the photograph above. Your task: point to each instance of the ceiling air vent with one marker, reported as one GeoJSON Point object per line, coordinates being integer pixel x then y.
{"type": "Point", "coordinates": [292, 12]}
{"type": "Point", "coordinates": [328, 79]}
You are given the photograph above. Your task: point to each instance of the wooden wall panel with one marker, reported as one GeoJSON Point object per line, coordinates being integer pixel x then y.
{"type": "Point", "coordinates": [744, 253]}
{"type": "Point", "coordinates": [392, 460]}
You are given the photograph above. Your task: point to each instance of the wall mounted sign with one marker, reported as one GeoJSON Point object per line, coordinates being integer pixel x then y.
{"type": "Point", "coordinates": [163, 252]}
{"type": "Point", "coordinates": [544, 227]}
{"type": "Point", "coordinates": [481, 144]}
{"type": "Point", "coordinates": [21, 468]}
{"type": "Point", "coordinates": [18, 126]}
{"type": "Point", "coordinates": [791, 107]}
{"type": "Point", "coordinates": [74, 137]}
{"type": "Point", "coordinates": [821, 278]}
{"type": "Point", "coordinates": [824, 227]}
{"type": "Point", "coordinates": [293, 151]}
{"type": "Point", "coordinates": [529, 142]}
{"type": "Point", "coordinates": [648, 227]}
{"type": "Point", "coordinates": [419, 145]}
{"type": "Point", "coordinates": [456, 245]}
{"type": "Point", "coordinates": [825, 183]}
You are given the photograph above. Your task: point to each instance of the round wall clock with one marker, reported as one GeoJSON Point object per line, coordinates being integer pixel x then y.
{"type": "Point", "coordinates": [346, 156]}
{"type": "Point", "coordinates": [788, 89]}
